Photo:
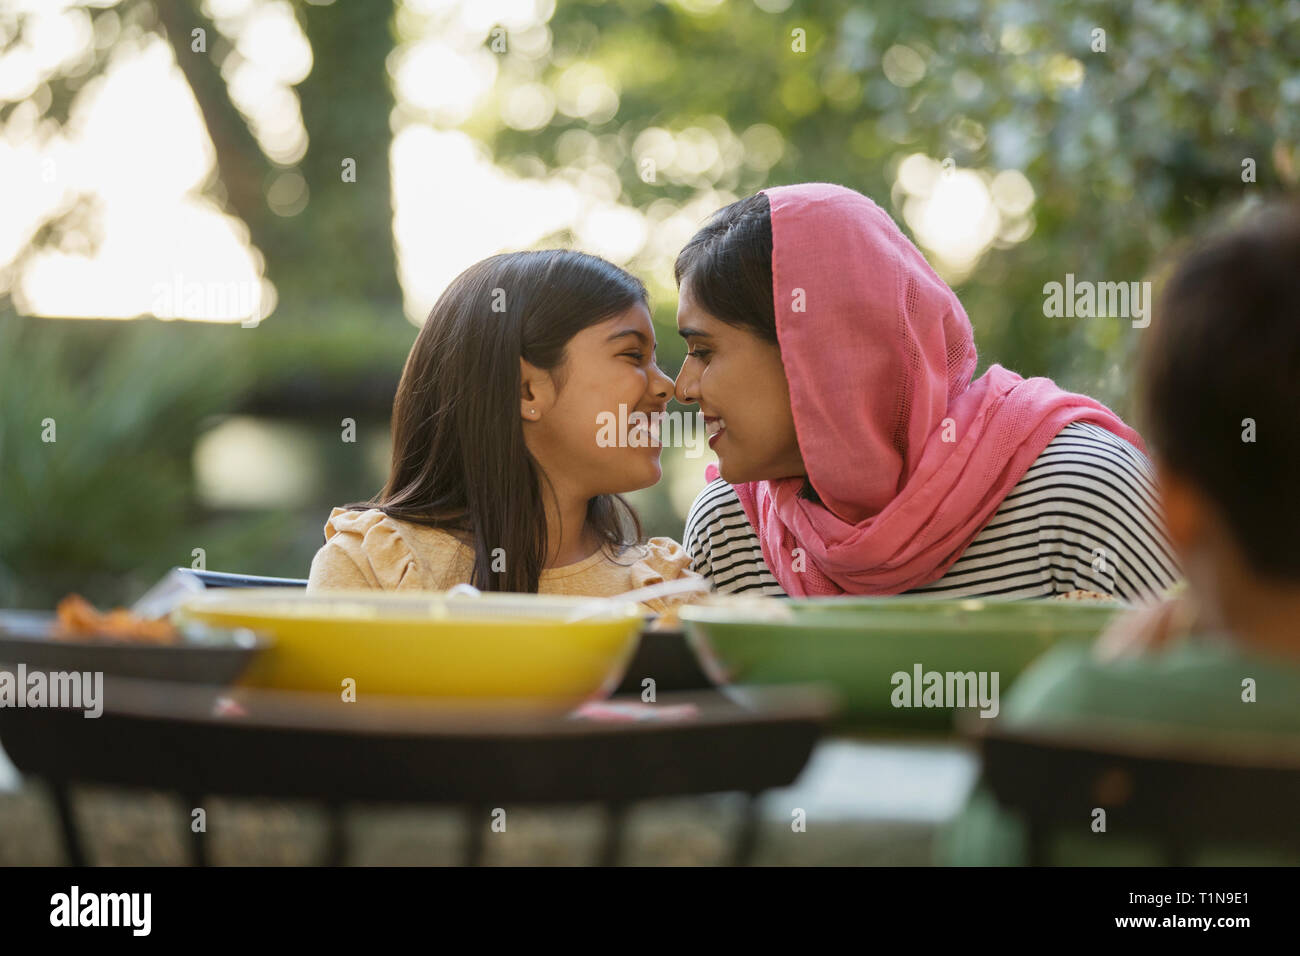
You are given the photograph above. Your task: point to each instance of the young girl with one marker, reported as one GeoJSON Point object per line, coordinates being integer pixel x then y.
{"type": "Point", "coordinates": [498, 477]}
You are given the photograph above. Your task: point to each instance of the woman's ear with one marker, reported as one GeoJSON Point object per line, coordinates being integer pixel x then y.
{"type": "Point", "coordinates": [536, 391]}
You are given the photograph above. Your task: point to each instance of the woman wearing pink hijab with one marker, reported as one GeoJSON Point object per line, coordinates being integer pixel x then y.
{"type": "Point", "coordinates": [856, 455]}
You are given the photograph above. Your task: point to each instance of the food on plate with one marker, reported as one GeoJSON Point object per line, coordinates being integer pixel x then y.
{"type": "Point", "coordinates": [77, 618]}
{"type": "Point", "coordinates": [1082, 596]}
{"type": "Point", "coordinates": [775, 608]}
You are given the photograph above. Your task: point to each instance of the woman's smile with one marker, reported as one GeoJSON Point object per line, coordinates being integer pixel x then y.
{"type": "Point", "coordinates": [715, 427]}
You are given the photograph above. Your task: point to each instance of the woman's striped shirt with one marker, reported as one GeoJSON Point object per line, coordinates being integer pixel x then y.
{"type": "Point", "coordinates": [1083, 517]}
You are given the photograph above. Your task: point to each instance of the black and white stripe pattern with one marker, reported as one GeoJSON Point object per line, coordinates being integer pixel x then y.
{"type": "Point", "coordinates": [1083, 517]}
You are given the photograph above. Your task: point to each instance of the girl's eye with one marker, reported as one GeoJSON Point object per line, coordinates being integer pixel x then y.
{"type": "Point", "coordinates": [639, 356]}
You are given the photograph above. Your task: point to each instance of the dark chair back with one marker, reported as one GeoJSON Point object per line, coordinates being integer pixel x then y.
{"type": "Point", "coordinates": [1179, 797]}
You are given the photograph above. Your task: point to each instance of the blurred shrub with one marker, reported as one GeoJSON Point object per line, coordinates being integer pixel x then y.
{"type": "Point", "coordinates": [107, 505]}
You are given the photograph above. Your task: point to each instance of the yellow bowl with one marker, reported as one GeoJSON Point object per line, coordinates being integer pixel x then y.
{"type": "Point", "coordinates": [429, 644]}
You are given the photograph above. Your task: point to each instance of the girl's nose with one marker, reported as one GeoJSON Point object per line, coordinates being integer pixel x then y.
{"type": "Point", "coordinates": [661, 384]}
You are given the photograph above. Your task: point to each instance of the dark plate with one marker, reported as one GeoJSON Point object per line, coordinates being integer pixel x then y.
{"type": "Point", "coordinates": [665, 657]}
{"type": "Point", "coordinates": [202, 656]}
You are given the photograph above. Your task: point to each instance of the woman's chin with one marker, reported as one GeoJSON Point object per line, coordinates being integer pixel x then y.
{"type": "Point", "coordinates": [736, 472]}
{"type": "Point", "coordinates": [727, 470]}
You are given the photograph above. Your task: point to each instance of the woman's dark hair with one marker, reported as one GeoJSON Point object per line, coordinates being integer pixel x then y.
{"type": "Point", "coordinates": [1224, 347]}
{"type": "Point", "coordinates": [729, 266]}
{"type": "Point", "coordinates": [459, 458]}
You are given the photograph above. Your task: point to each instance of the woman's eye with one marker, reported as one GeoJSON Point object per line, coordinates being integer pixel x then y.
{"type": "Point", "coordinates": [699, 353]}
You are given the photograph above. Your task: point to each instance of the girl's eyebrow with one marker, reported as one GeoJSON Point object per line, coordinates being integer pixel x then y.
{"type": "Point", "coordinates": [635, 332]}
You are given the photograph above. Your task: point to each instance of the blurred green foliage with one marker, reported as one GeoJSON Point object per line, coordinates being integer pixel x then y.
{"type": "Point", "coordinates": [1148, 143]}
{"type": "Point", "coordinates": [95, 455]}
{"type": "Point", "coordinates": [111, 503]}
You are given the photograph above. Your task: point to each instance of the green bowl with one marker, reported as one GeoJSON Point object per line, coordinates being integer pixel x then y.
{"type": "Point", "coordinates": [871, 651]}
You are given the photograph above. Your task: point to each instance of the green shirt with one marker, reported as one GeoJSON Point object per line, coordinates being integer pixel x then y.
{"type": "Point", "coordinates": [1195, 692]}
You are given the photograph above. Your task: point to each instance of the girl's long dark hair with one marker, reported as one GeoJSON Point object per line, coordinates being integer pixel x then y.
{"type": "Point", "coordinates": [459, 458]}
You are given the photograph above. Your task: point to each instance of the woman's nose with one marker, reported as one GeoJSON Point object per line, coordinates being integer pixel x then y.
{"type": "Point", "coordinates": [685, 386]}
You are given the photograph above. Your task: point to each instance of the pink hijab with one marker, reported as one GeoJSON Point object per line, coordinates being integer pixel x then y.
{"type": "Point", "coordinates": [908, 455]}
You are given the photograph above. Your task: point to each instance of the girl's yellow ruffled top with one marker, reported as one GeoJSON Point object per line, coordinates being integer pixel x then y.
{"type": "Point", "coordinates": [366, 550]}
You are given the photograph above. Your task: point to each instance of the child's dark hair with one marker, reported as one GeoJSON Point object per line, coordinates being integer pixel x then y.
{"type": "Point", "coordinates": [729, 266]}
{"type": "Point", "coordinates": [1222, 361]}
{"type": "Point", "coordinates": [459, 458]}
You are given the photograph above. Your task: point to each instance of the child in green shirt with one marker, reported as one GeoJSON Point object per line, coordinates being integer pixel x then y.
{"type": "Point", "coordinates": [1220, 389]}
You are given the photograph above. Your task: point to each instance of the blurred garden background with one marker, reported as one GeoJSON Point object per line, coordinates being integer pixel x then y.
{"type": "Point", "coordinates": [222, 221]}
